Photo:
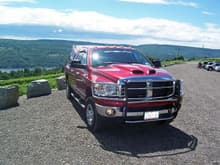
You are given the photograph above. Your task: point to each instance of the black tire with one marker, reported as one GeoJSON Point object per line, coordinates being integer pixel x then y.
{"type": "Point", "coordinates": [209, 69]}
{"type": "Point", "coordinates": [68, 91]}
{"type": "Point", "coordinates": [93, 120]}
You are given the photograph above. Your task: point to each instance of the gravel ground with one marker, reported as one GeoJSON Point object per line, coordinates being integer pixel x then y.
{"type": "Point", "coordinates": [50, 130]}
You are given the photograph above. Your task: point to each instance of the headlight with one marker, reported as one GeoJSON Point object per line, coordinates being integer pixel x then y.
{"type": "Point", "coordinates": [105, 89]}
{"type": "Point", "coordinates": [179, 88]}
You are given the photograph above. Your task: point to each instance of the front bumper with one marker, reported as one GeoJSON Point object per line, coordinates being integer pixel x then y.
{"type": "Point", "coordinates": [143, 99]}
{"type": "Point", "coordinates": [136, 114]}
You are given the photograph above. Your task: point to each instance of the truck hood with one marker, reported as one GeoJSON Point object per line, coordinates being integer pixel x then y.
{"type": "Point", "coordinates": [114, 72]}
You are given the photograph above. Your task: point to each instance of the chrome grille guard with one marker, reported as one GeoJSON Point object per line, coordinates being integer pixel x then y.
{"type": "Point", "coordinates": [147, 86]}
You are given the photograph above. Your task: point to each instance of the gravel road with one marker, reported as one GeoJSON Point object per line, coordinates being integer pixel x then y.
{"type": "Point", "coordinates": [49, 130]}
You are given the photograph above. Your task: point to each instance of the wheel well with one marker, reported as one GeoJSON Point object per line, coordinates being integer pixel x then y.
{"type": "Point", "coordinates": [66, 76]}
{"type": "Point", "coordinates": [88, 92]}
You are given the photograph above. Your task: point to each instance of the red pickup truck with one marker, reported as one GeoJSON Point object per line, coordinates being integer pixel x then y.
{"type": "Point", "coordinates": [119, 83]}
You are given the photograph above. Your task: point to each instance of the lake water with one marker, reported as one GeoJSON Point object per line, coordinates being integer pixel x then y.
{"type": "Point", "coordinates": [8, 70]}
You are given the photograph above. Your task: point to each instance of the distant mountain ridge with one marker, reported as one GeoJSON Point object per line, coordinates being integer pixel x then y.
{"type": "Point", "coordinates": [54, 53]}
{"type": "Point", "coordinates": [164, 52]}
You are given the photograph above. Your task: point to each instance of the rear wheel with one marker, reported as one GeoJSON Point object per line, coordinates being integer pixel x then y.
{"type": "Point", "coordinates": [93, 119]}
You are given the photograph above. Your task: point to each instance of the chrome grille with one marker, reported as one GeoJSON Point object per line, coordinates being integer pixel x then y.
{"type": "Point", "coordinates": [148, 89]}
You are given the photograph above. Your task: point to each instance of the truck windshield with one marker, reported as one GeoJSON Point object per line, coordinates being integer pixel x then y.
{"type": "Point", "coordinates": [102, 57]}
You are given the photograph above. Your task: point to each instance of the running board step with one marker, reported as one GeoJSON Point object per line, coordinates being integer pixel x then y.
{"type": "Point", "coordinates": [78, 100]}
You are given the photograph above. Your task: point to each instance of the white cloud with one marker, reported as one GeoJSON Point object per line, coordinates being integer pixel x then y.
{"type": "Point", "coordinates": [183, 3]}
{"type": "Point", "coordinates": [165, 2]}
{"type": "Point", "coordinates": [207, 13]}
{"type": "Point", "coordinates": [16, 1]}
{"type": "Point", "coordinates": [58, 31]}
{"type": "Point", "coordinates": [144, 30]}
{"type": "Point", "coordinates": [147, 1]}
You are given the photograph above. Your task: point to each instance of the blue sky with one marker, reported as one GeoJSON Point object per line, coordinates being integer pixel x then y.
{"type": "Point", "coordinates": [177, 22]}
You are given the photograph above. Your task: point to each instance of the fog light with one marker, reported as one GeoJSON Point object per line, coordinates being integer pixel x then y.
{"type": "Point", "coordinates": [169, 110]}
{"type": "Point", "coordinates": [110, 112]}
{"type": "Point", "coordinates": [172, 110]}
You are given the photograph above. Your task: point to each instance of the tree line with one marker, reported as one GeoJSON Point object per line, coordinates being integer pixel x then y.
{"type": "Point", "coordinates": [29, 73]}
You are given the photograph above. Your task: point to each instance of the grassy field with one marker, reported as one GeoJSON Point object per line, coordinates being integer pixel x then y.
{"type": "Point", "coordinates": [23, 82]}
{"type": "Point", "coordinates": [164, 63]}
{"type": "Point", "coordinates": [173, 62]}
{"type": "Point", "coordinates": [211, 59]}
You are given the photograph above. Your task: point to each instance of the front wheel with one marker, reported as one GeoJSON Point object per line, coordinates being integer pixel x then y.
{"type": "Point", "coordinates": [93, 119]}
{"type": "Point", "coordinates": [210, 69]}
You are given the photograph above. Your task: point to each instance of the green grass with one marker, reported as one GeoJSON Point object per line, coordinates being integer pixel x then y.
{"type": "Point", "coordinates": [211, 59]}
{"type": "Point", "coordinates": [172, 62]}
{"type": "Point", "coordinates": [23, 82]}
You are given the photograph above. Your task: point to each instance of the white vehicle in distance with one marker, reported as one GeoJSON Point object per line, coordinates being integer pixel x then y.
{"type": "Point", "coordinates": [209, 66]}
{"type": "Point", "coordinates": [217, 67]}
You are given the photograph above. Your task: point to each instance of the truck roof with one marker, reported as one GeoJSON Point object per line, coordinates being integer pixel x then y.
{"type": "Point", "coordinates": [86, 47]}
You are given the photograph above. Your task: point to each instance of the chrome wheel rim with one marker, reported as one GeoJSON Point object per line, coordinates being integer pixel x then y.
{"type": "Point", "coordinates": [89, 114]}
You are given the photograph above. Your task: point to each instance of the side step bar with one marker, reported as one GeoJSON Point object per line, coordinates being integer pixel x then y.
{"type": "Point", "coordinates": [78, 100]}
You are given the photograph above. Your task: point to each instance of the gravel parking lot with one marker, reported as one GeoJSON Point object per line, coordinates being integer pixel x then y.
{"type": "Point", "coordinates": [50, 130]}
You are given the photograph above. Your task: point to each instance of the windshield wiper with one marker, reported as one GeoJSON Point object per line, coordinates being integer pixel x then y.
{"type": "Point", "coordinates": [109, 63]}
{"type": "Point", "coordinates": [134, 63]}
{"type": "Point", "coordinates": [106, 63]}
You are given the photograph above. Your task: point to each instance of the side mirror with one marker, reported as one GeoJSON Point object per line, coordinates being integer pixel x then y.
{"type": "Point", "coordinates": [75, 62]}
{"type": "Point", "coordinates": [157, 64]}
